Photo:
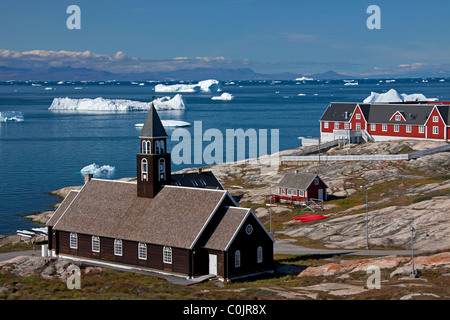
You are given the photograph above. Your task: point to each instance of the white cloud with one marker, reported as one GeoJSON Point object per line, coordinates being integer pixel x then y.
{"type": "Point", "coordinates": [119, 62]}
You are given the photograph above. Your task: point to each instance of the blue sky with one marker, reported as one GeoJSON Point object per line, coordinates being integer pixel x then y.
{"type": "Point", "coordinates": [267, 36]}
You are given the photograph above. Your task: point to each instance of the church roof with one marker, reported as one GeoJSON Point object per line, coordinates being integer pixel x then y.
{"type": "Point", "coordinates": [175, 217]}
{"type": "Point", "coordinates": [297, 180]}
{"type": "Point", "coordinates": [153, 126]}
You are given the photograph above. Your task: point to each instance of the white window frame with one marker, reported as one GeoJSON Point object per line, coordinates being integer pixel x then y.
{"type": "Point", "coordinates": [384, 127]}
{"type": "Point", "coordinates": [373, 127]}
{"type": "Point", "coordinates": [161, 146]}
{"type": "Point", "coordinates": [346, 125]}
{"type": "Point", "coordinates": [358, 116]}
{"type": "Point", "coordinates": [435, 119]}
{"type": "Point", "coordinates": [316, 181]}
{"type": "Point", "coordinates": [435, 130]}
{"type": "Point", "coordinates": [398, 117]}
{"type": "Point", "coordinates": [358, 126]}
{"type": "Point", "coordinates": [118, 248]}
{"type": "Point", "coordinates": [167, 255]}
{"type": "Point", "coordinates": [144, 169]}
{"type": "Point", "coordinates": [95, 244]}
{"type": "Point", "coordinates": [396, 128]}
{"type": "Point", "coordinates": [146, 146]}
{"type": "Point", "coordinates": [237, 259]}
{"type": "Point", "coordinates": [421, 129]}
{"type": "Point", "coordinates": [142, 251]}
{"type": "Point", "coordinates": [73, 240]}
{"type": "Point", "coordinates": [336, 125]}
{"type": "Point", "coordinates": [301, 193]}
{"type": "Point", "coordinates": [325, 125]}
{"type": "Point", "coordinates": [408, 129]}
{"type": "Point", "coordinates": [162, 169]}
{"type": "Point", "coordinates": [259, 255]}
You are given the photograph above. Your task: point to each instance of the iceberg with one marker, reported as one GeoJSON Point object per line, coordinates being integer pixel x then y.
{"type": "Point", "coordinates": [304, 79]}
{"type": "Point", "coordinates": [97, 170]}
{"type": "Point", "coordinates": [165, 103]}
{"type": "Point", "coordinates": [224, 97]}
{"type": "Point", "coordinates": [114, 105]}
{"type": "Point", "coordinates": [202, 86]}
{"type": "Point", "coordinates": [393, 96]}
{"type": "Point", "coordinates": [6, 116]}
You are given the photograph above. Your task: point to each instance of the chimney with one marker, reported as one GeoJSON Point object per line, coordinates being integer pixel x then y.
{"type": "Point", "coordinates": [87, 177]}
{"type": "Point", "coordinates": [199, 170]}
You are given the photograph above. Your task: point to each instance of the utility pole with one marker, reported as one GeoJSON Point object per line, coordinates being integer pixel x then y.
{"type": "Point", "coordinates": [367, 215]}
{"type": "Point", "coordinates": [413, 272]}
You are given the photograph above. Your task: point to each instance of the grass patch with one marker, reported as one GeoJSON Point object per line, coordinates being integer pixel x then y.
{"type": "Point", "coordinates": [429, 196]}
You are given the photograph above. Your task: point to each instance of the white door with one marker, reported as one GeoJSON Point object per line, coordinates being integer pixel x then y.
{"type": "Point", "coordinates": [213, 264]}
{"type": "Point", "coordinates": [320, 194]}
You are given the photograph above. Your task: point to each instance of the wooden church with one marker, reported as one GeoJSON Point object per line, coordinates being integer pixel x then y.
{"type": "Point", "coordinates": [177, 227]}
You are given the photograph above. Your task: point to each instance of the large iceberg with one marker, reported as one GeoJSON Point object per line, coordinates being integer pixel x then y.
{"type": "Point", "coordinates": [6, 116]}
{"type": "Point", "coordinates": [224, 96]}
{"type": "Point", "coordinates": [102, 104]}
{"type": "Point", "coordinates": [202, 86]}
{"type": "Point", "coordinates": [393, 96]}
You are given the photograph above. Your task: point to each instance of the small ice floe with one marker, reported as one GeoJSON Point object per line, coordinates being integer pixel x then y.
{"type": "Point", "coordinates": [224, 97]}
{"type": "Point", "coordinates": [11, 116]}
{"type": "Point", "coordinates": [99, 171]}
{"type": "Point", "coordinates": [168, 123]}
{"type": "Point", "coordinates": [304, 79]}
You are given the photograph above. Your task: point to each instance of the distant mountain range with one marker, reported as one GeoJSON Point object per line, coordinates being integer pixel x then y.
{"type": "Point", "coordinates": [69, 73]}
{"type": "Point", "coordinates": [196, 74]}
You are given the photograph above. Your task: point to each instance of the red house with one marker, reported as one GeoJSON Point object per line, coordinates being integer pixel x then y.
{"type": "Point", "coordinates": [386, 121]}
{"type": "Point", "coordinates": [297, 187]}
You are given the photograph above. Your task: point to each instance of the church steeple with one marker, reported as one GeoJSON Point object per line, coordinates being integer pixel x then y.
{"type": "Point", "coordinates": [153, 162]}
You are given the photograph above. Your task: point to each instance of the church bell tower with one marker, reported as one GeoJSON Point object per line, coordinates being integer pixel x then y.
{"type": "Point", "coordinates": [153, 162]}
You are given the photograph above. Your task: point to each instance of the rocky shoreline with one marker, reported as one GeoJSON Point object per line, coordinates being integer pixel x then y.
{"type": "Point", "coordinates": [426, 177]}
{"type": "Point", "coordinates": [401, 194]}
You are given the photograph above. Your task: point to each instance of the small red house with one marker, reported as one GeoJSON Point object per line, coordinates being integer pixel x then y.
{"type": "Point", "coordinates": [298, 187]}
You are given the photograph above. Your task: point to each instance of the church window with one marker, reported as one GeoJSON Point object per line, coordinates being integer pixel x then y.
{"type": "Point", "coordinates": [162, 169]}
{"type": "Point", "coordinates": [144, 169]}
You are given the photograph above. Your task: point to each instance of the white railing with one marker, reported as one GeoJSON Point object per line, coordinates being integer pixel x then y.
{"type": "Point", "coordinates": [422, 153]}
{"type": "Point", "coordinates": [368, 157]}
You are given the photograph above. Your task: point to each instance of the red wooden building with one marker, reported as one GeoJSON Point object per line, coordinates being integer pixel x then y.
{"type": "Point", "coordinates": [297, 187]}
{"type": "Point", "coordinates": [386, 121]}
{"type": "Point", "coordinates": [188, 228]}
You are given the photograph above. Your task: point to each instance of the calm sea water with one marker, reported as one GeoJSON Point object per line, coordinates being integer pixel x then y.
{"type": "Point", "coordinates": [48, 149]}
